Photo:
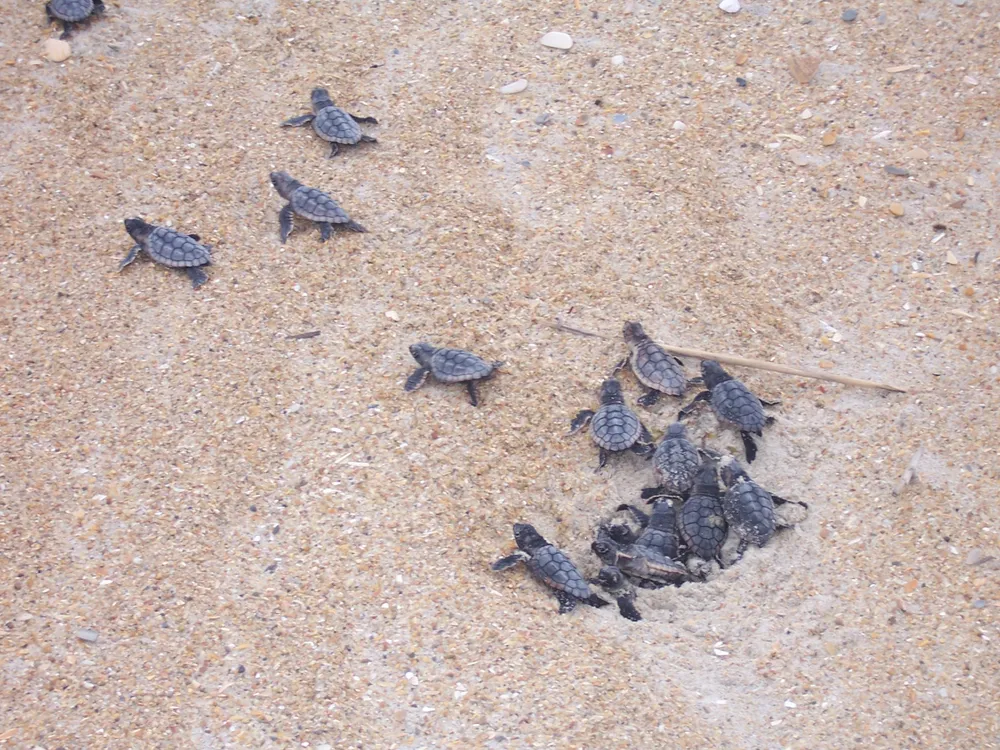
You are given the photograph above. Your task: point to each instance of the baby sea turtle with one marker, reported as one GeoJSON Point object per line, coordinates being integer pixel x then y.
{"type": "Point", "coordinates": [331, 123]}
{"type": "Point", "coordinates": [450, 366]}
{"type": "Point", "coordinates": [71, 12]}
{"type": "Point", "coordinates": [551, 566]}
{"type": "Point", "coordinates": [659, 529]}
{"type": "Point", "coordinates": [170, 248]}
{"type": "Point", "coordinates": [612, 580]}
{"type": "Point", "coordinates": [748, 507]}
{"type": "Point", "coordinates": [645, 565]}
{"type": "Point", "coordinates": [614, 427]}
{"type": "Point", "coordinates": [702, 521]}
{"type": "Point", "coordinates": [654, 366]}
{"type": "Point", "coordinates": [676, 461]}
{"type": "Point", "coordinates": [311, 204]}
{"type": "Point", "coordinates": [733, 403]}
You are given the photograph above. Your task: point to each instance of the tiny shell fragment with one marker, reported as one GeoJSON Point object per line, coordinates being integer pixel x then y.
{"type": "Point", "coordinates": [57, 50]}
{"type": "Point", "coordinates": [514, 88]}
{"type": "Point", "coordinates": [829, 137]}
{"type": "Point", "coordinates": [803, 67]}
{"type": "Point", "coordinates": [557, 40]}
{"type": "Point", "coordinates": [896, 209]}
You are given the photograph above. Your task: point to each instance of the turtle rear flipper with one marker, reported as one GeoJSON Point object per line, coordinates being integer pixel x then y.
{"type": "Point", "coordinates": [132, 255]}
{"type": "Point", "coordinates": [595, 601]}
{"type": "Point", "coordinates": [472, 387]}
{"type": "Point", "coordinates": [581, 420]}
{"type": "Point", "coordinates": [197, 276]}
{"type": "Point", "coordinates": [417, 379]}
{"type": "Point", "coordinates": [765, 402]}
{"type": "Point", "coordinates": [365, 120]}
{"type": "Point", "coordinates": [645, 446]}
{"type": "Point", "coordinates": [649, 399]}
{"type": "Point", "coordinates": [324, 230]}
{"type": "Point", "coordinates": [703, 396]}
{"type": "Point", "coordinates": [627, 609]}
{"type": "Point", "coordinates": [368, 139]}
{"type": "Point", "coordinates": [749, 446]}
{"type": "Point", "coordinates": [567, 603]}
{"type": "Point", "coordinates": [508, 562]}
{"type": "Point", "coordinates": [296, 122]}
{"type": "Point", "coordinates": [353, 226]}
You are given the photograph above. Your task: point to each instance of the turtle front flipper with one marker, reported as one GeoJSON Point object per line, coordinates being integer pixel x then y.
{"type": "Point", "coordinates": [197, 276]}
{"type": "Point", "coordinates": [621, 534]}
{"type": "Point", "coordinates": [67, 30]}
{"type": "Point", "coordinates": [286, 218]}
{"type": "Point", "coordinates": [49, 18]}
{"type": "Point", "coordinates": [781, 501]}
{"type": "Point", "coordinates": [649, 399]}
{"type": "Point", "coordinates": [619, 367]}
{"type": "Point", "coordinates": [368, 139]}
{"type": "Point", "coordinates": [703, 396]}
{"type": "Point", "coordinates": [297, 122]}
{"type": "Point", "coordinates": [566, 602]}
{"type": "Point", "coordinates": [132, 255]}
{"type": "Point", "coordinates": [195, 237]}
{"type": "Point", "coordinates": [749, 446]}
{"type": "Point", "coordinates": [473, 387]}
{"type": "Point", "coordinates": [765, 402]}
{"type": "Point", "coordinates": [365, 120]}
{"type": "Point", "coordinates": [595, 601]}
{"type": "Point", "coordinates": [627, 609]}
{"type": "Point", "coordinates": [641, 518]}
{"type": "Point", "coordinates": [353, 226]}
{"type": "Point", "coordinates": [334, 150]}
{"type": "Point", "coordinates": [417, 379]}
{"type": "Point", "coordinates": [581, 420]}
{"type": "Point", "coordinates": [98, 7]}
{"type": "Point", "coordinates": [645, 445]}
{"type": "Point", "coordinates": [324, 230]}
{"type": "Point", "coordinates": [508, 562]}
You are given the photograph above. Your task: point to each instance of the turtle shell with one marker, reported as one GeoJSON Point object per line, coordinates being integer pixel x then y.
{"type": "Point", "coordinates": [615, 427]}
{"type": "Point", "coordinates": [749, 509]}
{"type": "Point", "coordinates": [661, 532]}
{"type": "Point", "coordinates": [171, 248]}
{"type": "Point", "coordinates": [703, 526]}
{"type": "Point", "coordinates": [71, 10]}
{"type": "Point", "coordinates": [458, 365]}
{"type": "Point", "coordinates": [657, 369]}
{"type": "Point", "coordinates": [551, 566]}
{"type": "Point", "coordinates": [733, 402]}
{"type": "Point", "coordinates": [336, 126]}
{"type": "Point", "coordinates": [649, 565]}
{"type": "Point", "coordinates": [318, 206]}
{"type": "Point", "coordinates": [676, 463]}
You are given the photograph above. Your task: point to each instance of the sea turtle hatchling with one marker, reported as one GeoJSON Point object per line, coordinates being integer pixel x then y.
{"type": "Point", "coordinates": [169, 248]}
{"type": "Point", "coordinates": [654, 367]}
{"type": "Point", "coordinates": [331, 123]}
{"type": "Point", "coordinates": [675, 461]}
{"type": "Point", "coordinates": [701, 521]}
{"type": "Point", "coordinates": [733, 403]}
{"type": "Point", "coordinates": [612, 580]}
{"type": "Point", "coordinates": [658, 529]}
{"type": "Point", "coordinates": [71, 12]}
{"type": "Point", "coordinates": [748, 507]}
{"type": "Point", "coordinates": [311, 204]}
{"type": "Point", "coordinates": [551, 566]}
{"type": "Point", "coordinates": [645, 565]}
{"type": "Point", "coordinates": [614, 427]}
{"type": "Point", "coordinates": [450, 366]}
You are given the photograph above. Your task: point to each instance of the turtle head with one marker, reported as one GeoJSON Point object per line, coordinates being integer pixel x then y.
{"type": "Point", "coordinates": [706, 482]}
{"type": "Point", "coordinates": [138, 229]}
{"type": "Point", "coordinates": [610, 577]}
{"type": "Point", "coordinates": [676, 430]}
{"type": "Point", "coordinates": [422, 353]}
{"type": "Point", "coordinates": [527, 538]}
{"type": "Point", "coordinates": [611, 392]}
{"type": "Point", "coordinates": [321, 98]}
{"type": "Point", "coordinates": [285, 184]}
{"type": "Point", "coordinates": [633, 333]}
{"type": "Point", "coordinates": [732, 471]}
{"type": "Point", "coordinates": [713, 374]}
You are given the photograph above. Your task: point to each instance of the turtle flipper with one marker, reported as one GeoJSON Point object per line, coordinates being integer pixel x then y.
{"type": "Point", "coordinates": [197, 276]}
{"type": "Point", "coordinates": [649, 399]}
{"type": "Point", "coordinates": [67, 29]}
{"type": "Point", "coordinates": [581, 420]}
{"type": "Point", "coordinates": [566, 602]}
{"type": "Point", "coordinates": [749, 446]}
{"type": "Point", "coordinates": [297, 122]}
{"type": "Point", "coordinates": [195, 237]}
{"type": "Point", "coordinates": [781, 501]}
{"type": "Point", "coordinates": [417, 379]}
{"type": "Point", "coordinates": [98, 6]}
{"type": "Point", "coordinates": [365, 120]}
{"type": "Point", "coordinates": [49, 18]}
{"type": "Point", "coordinates": [595, 601]}
{"type": "Point", "coordinates": [285, 218]}
{"type": "Point", "coordinates": [641, 517]}
{"type": "Point", "coordinates": [621, 534]}
{"type": "Point", "coordinates": [324, 230]}
{"type": "Point", "coordinates": [627, 609]}
{"type": "Point", "coordinates": [765, 402]}
{"type": "Point", "coordinates": [473, 387]}
{"type": "Point", "coordinates": [602, 459]}
{"type": "Point", "coordinates": [619, 367]}
{"type": "Point", "coordinates": [368, 139]}
{"type": "Point", "coordinates": [703, 396]}
{"type": "Point", "coordinates": [645, 445]}
{"type": "Point", "coordinates": [508, 562]}
{"type": "Point", "coordinates": [334, 150]}
{"type": "Point", "coordinates": [132, 255]}
{"type": "Point", "coordinates": [353, 226]}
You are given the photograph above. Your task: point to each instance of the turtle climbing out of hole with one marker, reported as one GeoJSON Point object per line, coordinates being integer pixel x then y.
{"type": "Point", "coordinates": [646, 566]}
{"type": "Point", "coordinates": [656, 368]}
{"type": "Point", "coordinates": [333, 124]}
{"type": "Point", "coordinates": [749, 508]}
{"type": "Point", "coordinates": [614, 427]}
{"type": "Point", "coordinates": [312, 204]}
{"type": "Point", "coordinates": [675, 462]}
{"type": "Point", "coordinates": [552, 567]}
{"type": "Point", "coordinates": [169, 248]}
{"type": "Point", "coordinates": [658, 529]}
{"type": "Point", "coordinates": [450, 366]}
{"type": "Point", "coordinates": [702, 521]}
{"type": "Point", "coordinates": [733, 404]}
{"type": "Point", "coordinates": [612, 580]}
{"type": "Point", "coordinates": [71, 12]}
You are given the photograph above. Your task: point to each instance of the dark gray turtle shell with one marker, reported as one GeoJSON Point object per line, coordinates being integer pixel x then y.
{"type": "Point", "coordinates": [733, 402]}
{"type": "Point", "coordinates": [661, 532]}
{"type": "Point", "coordinates": [649, 565]}
{"type": "Point", "coordinates": [551, 566]}
{"type": "Point", "coordinates": [176, 250]}
{"type": "Point", "coordinates": [318, 206]}
{"type": "Point", "coordinates": [71, 10]}
{"type": "Point", "coordinates": [676, 463]}
{"type": "Point", "coordinates": [458, 365]}
{"type": "Point", "coordinates": [703, 526]}
{"type": "Point", "coordinates": [615, 427]}
{"type": "Point", "coordinates": [657, 369]}
{"type": "Point", "coordinates": [336, 126]}
{"type": "Point", "coordinates": [749, 509]}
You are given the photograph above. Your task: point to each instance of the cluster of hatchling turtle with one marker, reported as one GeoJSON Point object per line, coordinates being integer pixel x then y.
{"type": "Point", "coordinates": [691, 515]}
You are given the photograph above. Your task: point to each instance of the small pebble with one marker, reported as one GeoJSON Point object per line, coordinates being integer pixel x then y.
{"type": "Point", "coordinates": [619, 119]}
{"type": "Point", "coordinates": [959, 3]}
{"type": "Point", "coordinates": [790, 704]}
{"type": "Point", "coordinates": [543, 119]}
{"type": "Point", "coordinates": [557, 40]}
{"type": "Point", "coordinates": [898, 171]}
{"type": "Point", "coordinates": [979, 603]}
{"type": "Point", "coordinates": [971, 80]}
{"type": "Point", "coordinates": [950, 259]}
{"type": "Point", "coordinates": [730, 6]}
{"type": "Point", "coordinates": [896, 209]}
{"type": "Point", "coordinates": [678, 125]}
{"type": "Point", "coordinates": [87, 634]}
{"type": "Point", "coordinates": [849, 15]}
{"type": "Point", "coordinates": [862, 201]}
{"type": "Point", "coordinates": [514, 88]}
{"type": "Point", "coordinates": [806, 114]}
{"type": "Point", "coordinates": [742, 57]}
{"type": "Point", "coordinates": [741, 82]}
{"type": "Point", "coordinates": [829, 137]}
{"type": "Point", "coordinates": [57, 50]}
{"type": "Point", "coordinates": [393, 316]}
{"type": "Point", "coordinates": [618, 60]}
{"type": "Point", "coordinates": [916, 153]}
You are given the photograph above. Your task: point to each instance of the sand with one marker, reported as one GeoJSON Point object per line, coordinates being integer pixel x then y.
{"type": "Point", "coordinates": [278, 547]}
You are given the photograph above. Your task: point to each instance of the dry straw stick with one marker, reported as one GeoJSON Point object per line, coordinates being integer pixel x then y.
{"type": "Point", "coordinates": [757, 364]}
